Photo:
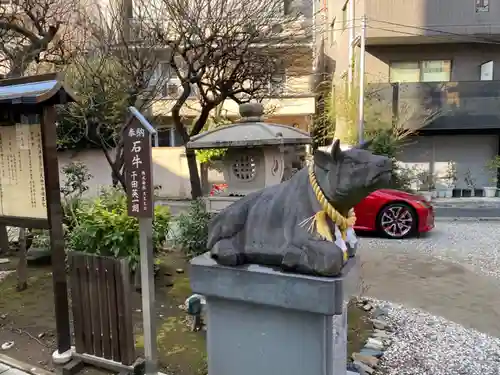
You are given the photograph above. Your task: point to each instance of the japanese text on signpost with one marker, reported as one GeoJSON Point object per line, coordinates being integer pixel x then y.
{"type": "Point", "coordinates": [137, 143]}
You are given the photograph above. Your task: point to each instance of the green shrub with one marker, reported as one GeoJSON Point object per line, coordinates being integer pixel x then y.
{"type": "Point", "coordinates": [193, 229]}
{"type": "Point", "coordinates": [104, 228]}
{"type": "Point", "coordinates": [389, 143]}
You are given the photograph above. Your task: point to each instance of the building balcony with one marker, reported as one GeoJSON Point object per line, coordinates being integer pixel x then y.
{"type": "Point", "coordinates": [288, 96]}
{"type": "Point", "coordinates": [297, 105]}
{"type": "Point", "coordinates": [430, 21]}
{"type": "Point", "coordinates": [460, 106]}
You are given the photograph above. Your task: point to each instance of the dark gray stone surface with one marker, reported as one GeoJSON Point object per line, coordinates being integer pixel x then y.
{"type": "Point", "coordinates": [264, 227]}
{"type": "Point", "coordinates": [262, 285]}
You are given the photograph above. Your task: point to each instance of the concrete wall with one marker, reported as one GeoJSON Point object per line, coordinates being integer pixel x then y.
{"type": "Point", "coordinates": [469, 153]}
{"type": "Point", "coordinates": [414, 30]}
{"type": "Point", "coordinates": [170, 170]}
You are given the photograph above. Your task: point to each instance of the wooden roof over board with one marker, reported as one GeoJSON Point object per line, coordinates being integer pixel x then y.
{"type": "Point", "coordinates": [44, 89]}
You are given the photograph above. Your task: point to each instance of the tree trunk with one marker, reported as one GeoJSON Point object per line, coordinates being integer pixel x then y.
{"type": "Point", "coordinates": [4, 239]}
{"type": "Point", "coordinates": [22, 265]}
{"type": "Point", "coordinates": [194, 177]}
{"type": "Point", "coordinates": [205, 183]}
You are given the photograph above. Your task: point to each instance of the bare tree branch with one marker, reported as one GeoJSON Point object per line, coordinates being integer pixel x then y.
{"type": "Point", "coordinates": [224, 49]}
{"type": "Point", "coordinates": [34, 33]}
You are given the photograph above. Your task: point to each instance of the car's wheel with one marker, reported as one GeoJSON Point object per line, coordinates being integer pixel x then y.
{"type": "Point", "coordinates": [397, 220]}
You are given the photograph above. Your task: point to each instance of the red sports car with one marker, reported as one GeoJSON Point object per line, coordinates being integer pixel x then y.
{"type": "Point", "coordinates": [394, 214]}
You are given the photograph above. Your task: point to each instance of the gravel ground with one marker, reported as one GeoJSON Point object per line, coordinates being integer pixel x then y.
{"type": "Point", "coordinates": [428, 345]}
{"type": "Point", "coordinates": [473, 244]}
{"type": "Point", "coordinates": [452, 272]}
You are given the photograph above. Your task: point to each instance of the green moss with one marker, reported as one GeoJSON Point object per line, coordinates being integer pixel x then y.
{"type": "Point", "coordinates": [179, 349]}
{"type": "Point", "coordinates": [359, 328]}
{"type": "Point", "coordinates": [39, 286]}
{"type": "Point", "coordinates": [181, 288]}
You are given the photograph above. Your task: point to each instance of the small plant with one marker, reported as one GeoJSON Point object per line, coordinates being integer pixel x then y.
{"type": "Point", "coordinates": [404, 178]}
{"type": "Point", "coordinates": [41, 239]}
{"type": "Point", "coordinates": [193, 229]}
{"type": "Point", "coordinates": [469, 180]}
{"type": "Point", "coordinates": [76, 177]}
{"type": "Point", "coordinates": [451, 175]}
{"type": "Point", "coordinates": [494, 165]}
{"type": "Point", "coordinates": [103, 227]}
{"type": "Point", "coordinates": [426, 180]}
{"type": "Point", "coordinates": [74, 186]}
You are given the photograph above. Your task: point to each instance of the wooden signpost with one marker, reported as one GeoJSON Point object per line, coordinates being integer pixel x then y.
{"type": "Point", "coordinates": [137, 141]}
{"type": "Point", "coordinates": [30, 194]}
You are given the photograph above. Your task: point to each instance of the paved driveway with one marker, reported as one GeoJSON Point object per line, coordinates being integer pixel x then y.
{"type": "Point", "coordinates": [452, 272]}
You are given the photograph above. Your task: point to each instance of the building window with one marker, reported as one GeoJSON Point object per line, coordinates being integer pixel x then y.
{"type": "Point", "coordinates": [277, 84]}
{"type": "Point", "coordinates": [167, 83]}
{"type": "Point", "coordinates": [420, 71]}
{"type": "Point", "coordinates": [486, 73]}
{"type": "Point", "coordinates": [404, 72]}
{"type": "Point", "coordinates": [482, 6]}
{"type": "Point", "coordinates": [344, 16]}
{"type": "Point", "coordinates": [169, 137]}
{"type": "Point", "coordinates": [435, 71]}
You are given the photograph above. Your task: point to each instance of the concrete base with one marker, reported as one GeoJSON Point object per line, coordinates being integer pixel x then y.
{"type": "Point", "coordinates": [217, 203]}
{"type": "Point", "coordinates": [263, 321]}
{"type": "Point", "coordinates": [62, 358]}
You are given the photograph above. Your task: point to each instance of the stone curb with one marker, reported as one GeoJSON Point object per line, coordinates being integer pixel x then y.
{"type": "Point", "coordinates": [466, 219]}
{"type": "Point", "coordinates": [14, 363]}
{"type": "Point", "coordinates": [367, 360]}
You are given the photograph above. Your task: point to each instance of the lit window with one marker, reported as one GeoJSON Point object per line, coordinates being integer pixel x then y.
{"type": "Point", "coordinates": [420, 71]}
{"type": "Point", "coordinates": [435, 71]}
{"type": "Point", "coordinates": [404, 72]}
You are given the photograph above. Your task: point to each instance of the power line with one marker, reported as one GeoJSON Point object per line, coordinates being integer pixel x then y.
{"type": "Point", "coordinates": [429, 36]}
{"type": "Point", "coordinates": [476, 38]}
{"type": "Point", "coordinates": [470, 38]}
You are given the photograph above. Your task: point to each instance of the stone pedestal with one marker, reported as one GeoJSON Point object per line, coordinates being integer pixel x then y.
{"type": "Point", "coordinates": [263, 321]}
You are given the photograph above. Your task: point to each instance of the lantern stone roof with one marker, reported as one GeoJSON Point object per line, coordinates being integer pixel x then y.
{"type": "Point", "coordinates": [250, 131]}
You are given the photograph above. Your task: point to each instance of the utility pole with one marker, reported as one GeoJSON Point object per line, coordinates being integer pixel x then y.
{"type": "Point", "coordinates": [350, 54]}
{"type": "Point", "coordinates": [361, 104]}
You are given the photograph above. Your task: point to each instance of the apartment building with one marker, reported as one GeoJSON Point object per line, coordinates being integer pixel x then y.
{"type": "Point", "coordinates": [433, 56]}
{"type": "Point", "coordinates": [291, 97]}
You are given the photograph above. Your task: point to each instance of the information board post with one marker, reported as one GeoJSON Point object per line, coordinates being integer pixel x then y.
{"type": "Point", "coordinates": [29, 176]}
{"type": "Point", "coordinates": [137, 142]}
{"type": "Point", "coordinates": [55, 216]}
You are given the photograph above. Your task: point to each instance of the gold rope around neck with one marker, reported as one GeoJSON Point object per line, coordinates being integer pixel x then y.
{"type": "Point", "coordinates": [319, 220]}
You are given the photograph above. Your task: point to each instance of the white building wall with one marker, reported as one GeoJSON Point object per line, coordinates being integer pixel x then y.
{"type": "Point", "coordinates": [170, 170]}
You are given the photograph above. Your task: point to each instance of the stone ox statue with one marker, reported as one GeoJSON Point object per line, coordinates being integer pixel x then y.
{"type": "Point", "coordinates": [303, 225]}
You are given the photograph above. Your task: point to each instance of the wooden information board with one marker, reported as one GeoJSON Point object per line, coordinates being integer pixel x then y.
{"type": "Point", "coordinates": [22, 182]}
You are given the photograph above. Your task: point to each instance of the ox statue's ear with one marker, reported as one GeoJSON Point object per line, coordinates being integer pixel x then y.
{"type": "Point", "coordinates": [336, 152]}
{"type": "Point", "coordinates": [365, 145]}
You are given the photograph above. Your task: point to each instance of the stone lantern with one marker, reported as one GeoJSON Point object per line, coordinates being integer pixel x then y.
{"type": "Point", "coordinates": [255, 156]}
